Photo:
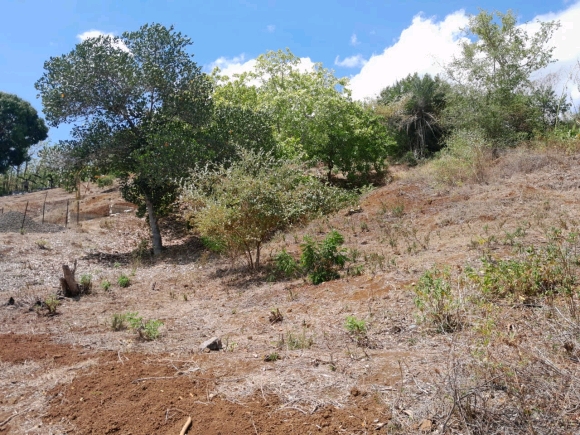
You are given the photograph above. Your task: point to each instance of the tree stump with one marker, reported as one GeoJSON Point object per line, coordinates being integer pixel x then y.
{"type": "Point", "coordinates": [69, 285]}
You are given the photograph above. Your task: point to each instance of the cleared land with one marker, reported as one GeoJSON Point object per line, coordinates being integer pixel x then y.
{"type": "Point", "coordinates": [510, 366]}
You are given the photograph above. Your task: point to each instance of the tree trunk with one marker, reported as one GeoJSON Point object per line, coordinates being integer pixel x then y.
{"type": "Point", "coordinates": [155, 234]}
{"type": "Point", "coordinates": [330, 166]}
{"type": "Point", "coordinates": [69, 285]}
{"type": "Point", "coordinates": [257, 262]}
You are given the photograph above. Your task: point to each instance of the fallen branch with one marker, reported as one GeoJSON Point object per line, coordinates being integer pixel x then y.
{"type": "Point", "coordinates": [185, 426]}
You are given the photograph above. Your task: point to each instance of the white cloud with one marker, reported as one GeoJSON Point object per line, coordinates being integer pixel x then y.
{"type": "Point", "coordinates": [422, 47]}
{"type": "Point", "coordinates": [354, 40]}
{"type": "Point", "coordinates": [239, 65]}
{"type": "Point", "coordinates": [271, 28]}
{"type": "Point", "coordinates": [427, 44]}
{"type": "Point", "coordinates": [92, 34]}
{"type": "Point", "coordinates": [96, 33]}
{"type": "Point", "coordinates": [350, 62]}
{"type": "Point", "coordinates": [234, 65]}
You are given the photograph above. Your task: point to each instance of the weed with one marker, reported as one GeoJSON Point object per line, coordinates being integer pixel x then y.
{"type": "Point", "coordinates": [355, 326]}
{"type": "Point", "coordinates": [51, 304]}
{"type": "Point", "coordinates": [321, 260]}
{"type": "Point", "coordinates": [123, 281]}
{"type": "Point", "coordinates": [274, 356]}
{"type": "Point", "coordinates": [86, 283]}
{"type": "Point", "coordinates": [118, 322]}
{"type": "Point", "coordinates": [143, 250]}
{"type": "Point", "coordinates": [296, 341]}
{"type": "Point", "coordinates": [285, 264]}
{"type": "Point", "coordinates": [106, 285]}
{"type": "Point", "coordinates": [150, 330]}
{"type": "Point", "coordinates": [434, 298]}
{"type": "Point", "coordinates": [117, 265]}
{"type": "Point", "coordinates": [398, 210]}
{"type": "Point", "coordinates": [42, 244]}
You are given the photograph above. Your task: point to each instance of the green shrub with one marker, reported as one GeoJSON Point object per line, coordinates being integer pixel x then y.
{"type": "Point", "coordinates": [534, 272]}
{"type": "Point", "coordinates": [148, 330]}
{"type": "Point", "coordinates": [435, 300]}
{"type": "Point", "coordinates": [355, 326]}
{"type": "Point", "coordinates": [105, 180]}
{"type": "Point", "coordinates": [285, 265]}
{"type": "Point", "coordinates": [239, 207]}
{"type": "Point", "coordinates": [51, 304]}
{"type": "Point", "coordinates": [106, 285]}
{"type": "Point", "coordinates": [321, 261]}
{"type": "Point", "coordinates": [124, 281]}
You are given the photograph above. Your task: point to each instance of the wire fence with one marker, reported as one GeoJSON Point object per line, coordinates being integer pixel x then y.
{"type": "Point", "coordinates": [64, 213]}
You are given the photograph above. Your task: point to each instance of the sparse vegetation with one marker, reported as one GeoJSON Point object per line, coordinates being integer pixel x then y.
{"type": "Point", "coordinates": [123, 281]}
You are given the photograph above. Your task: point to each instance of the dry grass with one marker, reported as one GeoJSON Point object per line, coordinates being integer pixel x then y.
{"type": "Point", "coordinates": [512, 368]}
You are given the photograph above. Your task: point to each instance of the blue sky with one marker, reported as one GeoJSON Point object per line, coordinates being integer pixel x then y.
{"type": "Point", "coordinates": [373, 42]}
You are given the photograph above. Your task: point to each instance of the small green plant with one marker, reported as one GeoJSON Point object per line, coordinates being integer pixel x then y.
{"type": "Point", "coordinates": [358, 329]}
{"type": "Point", "coordinates": [117, 265]}
{"type": "Point", "coordinates": [106, 285]}
{"type": "Point", "coordinates": [143, 250]}
{"type": "Point", "coordinates": [274, 356]}
{"type": "Point", "coordinates": [51, 304]}
{"type": "Point", "coordinates": [86, 283]}
{"type": "Point", "coordinates": [150, 330]}
{"type": "Point", "coordinates": [300, 340]}
{"type": "Point", "coordinates": [321, 261]}
{"type": "Point", "coordinates": [285, 264]}
{"type": "Point", "coordinates": [118, 322]}
{"type": "Point", "coordinates": [42, 244]}
{"type": "Point", "coordinates": [275, 316]}
{"type": "Point", "coordinates": [123, 281]}
{"type": "Point", "coordinates": [434, 298]}
{"type": "Point", "coordinates": [398, 210]}
{"type": "Point", "coordinates": [355, 326]}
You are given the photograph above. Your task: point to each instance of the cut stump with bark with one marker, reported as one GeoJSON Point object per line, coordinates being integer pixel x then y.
{"type": "Point", "coordinates": [70, 287]}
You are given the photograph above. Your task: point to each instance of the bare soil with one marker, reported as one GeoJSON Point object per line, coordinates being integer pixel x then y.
{"type": "Point", "coordinates": [71, 373]}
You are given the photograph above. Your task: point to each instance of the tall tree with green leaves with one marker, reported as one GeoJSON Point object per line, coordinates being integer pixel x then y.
{"type": "Point", "coordinates": [139, 100]}
{"type": "Point", "coordinates": [492, 76]}
{"type": "Point", "coordinates": [311, 113]}
{"type": "Point", "coordinates": [20, 128]}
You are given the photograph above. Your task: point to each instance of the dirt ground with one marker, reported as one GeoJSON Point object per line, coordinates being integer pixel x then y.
{"type": "Point", "coordinates": [72, 373]}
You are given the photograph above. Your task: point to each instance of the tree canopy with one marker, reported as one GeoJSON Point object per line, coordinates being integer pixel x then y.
{"type": "Point", "coordinates": [20, 128]}
{"type": "Point", "coordinates": [492, 76]}
{"type": "Point", "coordinates": [139, 101]}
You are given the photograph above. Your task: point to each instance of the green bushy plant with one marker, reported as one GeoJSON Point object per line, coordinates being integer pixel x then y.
{"type": "Point", "coordinates": [435, 300]}
{"type": "Point", "coordinates": [105, 180]}
{"type": "Point", "coordinates": [322, 260]}
{"type": "Point", "coordinates": [124, 281]}
{"type": "Point", "coordinates": [240, 206]}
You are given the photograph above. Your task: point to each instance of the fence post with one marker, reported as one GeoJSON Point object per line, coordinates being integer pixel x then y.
{"type": "Point", "coordinates": [66, 216]}
{"type": "Point", "coordinates": [43, 207]}
{"type": "Point", "coordinates": [24, 217]}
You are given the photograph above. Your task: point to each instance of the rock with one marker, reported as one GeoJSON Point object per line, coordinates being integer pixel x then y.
{"type": "Point", "coordinates": [213, 343]}
{"type": "Point", "coordinates": [425, 425]}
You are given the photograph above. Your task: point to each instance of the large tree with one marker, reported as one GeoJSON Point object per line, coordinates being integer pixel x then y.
{"type": "Point", "coordinates": [493, 76]}
{"type": "Point", "coordinates": [139, 100]}
{"type": "Point", "coordinates": [311, 113]}
{"type": "Point", "coordinates": [20, 128]}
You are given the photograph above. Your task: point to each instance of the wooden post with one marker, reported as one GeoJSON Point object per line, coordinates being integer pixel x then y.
{"type": "Point", "coordinates": [66, 215]}
{"type": "Point", "coordinates": [44, 206]}
{"type": "Point", "coordinates": [24, 217]}
{"type": "Point", "coordinates": [78, 211]}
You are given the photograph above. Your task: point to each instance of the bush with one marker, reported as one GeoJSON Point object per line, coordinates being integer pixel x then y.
{"type": "Point", "coordinates": [105, 180]}
{"type": "Point", "coordinates": [124, 281]}
{"type": "Point", "coordinates": [285, 265]}
{"type": "Point", "coordinates": [148, 330]}
{"type": "Point", "coordinates": [434, 298]}
{"type": "Point", "coordinates": [106, 285]}
{"type": "Point", "coordinates": [321, 261]}
{"type": "Point", "coordinates": [241, 206]}
{"type": "Point", "coordinates": [465, 159]}
{"type": "Point", "coordinates": [534, 272]}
